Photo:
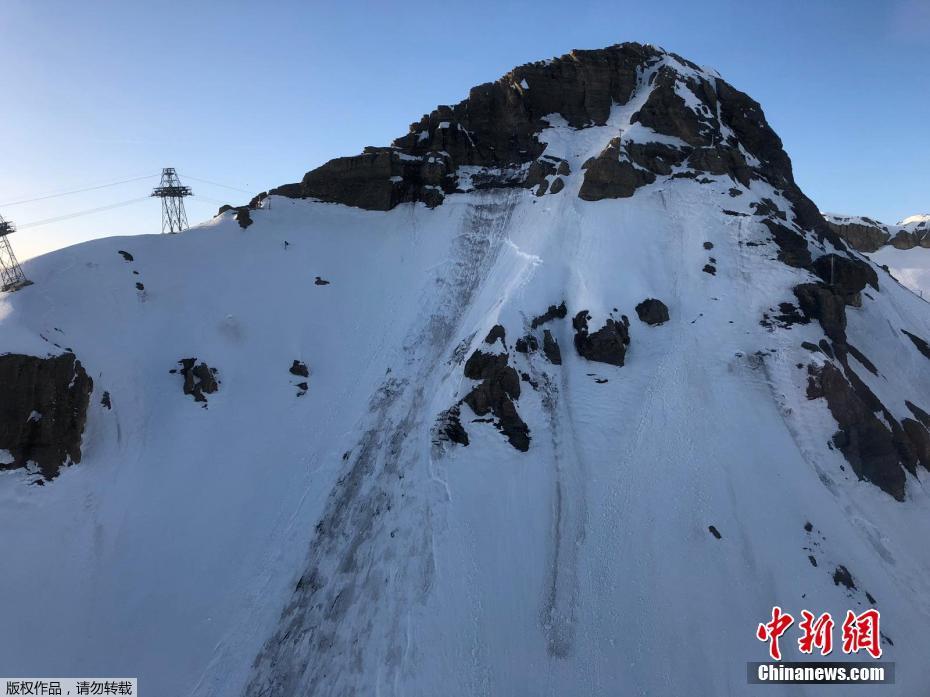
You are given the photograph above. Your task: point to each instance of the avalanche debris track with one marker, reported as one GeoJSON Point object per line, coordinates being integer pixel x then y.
{"type": "Point", "coordinates": [370, 561]}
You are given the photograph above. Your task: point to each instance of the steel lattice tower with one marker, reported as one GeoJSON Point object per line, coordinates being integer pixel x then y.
{"type": "Point", "coordinates": [171, 193]}
{"type": "Point", "coordinates": [11, 275]}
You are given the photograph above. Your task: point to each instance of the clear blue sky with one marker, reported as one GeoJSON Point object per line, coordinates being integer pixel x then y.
{"type": "Point", "coordinates": [254, 94]}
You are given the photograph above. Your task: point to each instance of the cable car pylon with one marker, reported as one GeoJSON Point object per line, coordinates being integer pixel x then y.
{"type": "Point", "coordinates": [172, 195]}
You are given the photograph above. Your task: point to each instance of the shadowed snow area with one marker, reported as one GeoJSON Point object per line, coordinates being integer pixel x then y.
{"type": "Point", "coordinates": [340, 538]}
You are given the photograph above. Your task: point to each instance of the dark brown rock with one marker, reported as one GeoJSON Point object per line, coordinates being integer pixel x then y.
{"type": "Point", "coordinates": [499, 387]}
{"type": "Point", "coordinates": [842, 576]}
{"type": "Point", "coordinates": [606, 345]}
{"type": "Point", "coordinates": [666, 112]}
{"type": "Point", "coordinates": [820, 302]}
{"type": "Point", "coordinates": [846, 274]}
{"type": "Point", "coordinates": [551, 348]}
{"type": "Point", "coordinates": [920, 439]}
{"type": "Point", "coordinates": [658, 158]}
{"type": "Point", "coordinates": [865, 441]}
{"type": "Point", "coordinates": [652, 311]}
{"type": "Point", "coordinates": [792, 246]}
{"type": "Point", "coordinates": [554, 312]}
{"type": "Point", "coordinates": [43, 410]}
{"type": "Point", "coordinates": [199, 379]}
{"type": "Point", "coordinates": [865, 236]}
{"type": "Point", "coordinates": [526, 344]}
{"type": "Point", "coordinates": [607, 176]}
{"type": "Point", "coordinates": [243, 217]}
{"type": "Point", "coordinates": [450, 426]}
{"type": "Point", "coordinates": [299, 368]}
{"type": "Point", "coordinates": [921, 344]}
{"type": "Point", "coordinates": [721, 159]}
{"type": "Point", "coordinates": [497, 332]}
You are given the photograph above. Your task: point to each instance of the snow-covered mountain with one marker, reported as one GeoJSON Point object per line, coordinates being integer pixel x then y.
{"type": "Point", "coordinates": [558, 395]}
{"type": "Point", "coordinates": [869, 235]}
{"type": "Point", "coordinates": [903, 248]}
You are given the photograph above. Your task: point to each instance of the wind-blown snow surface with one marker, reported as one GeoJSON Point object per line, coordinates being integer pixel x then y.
{"type": "Point", "coordinates": [188, 546]}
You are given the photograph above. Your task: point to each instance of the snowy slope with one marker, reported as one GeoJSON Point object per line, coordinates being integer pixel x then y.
{"type": "Point", "coordinates": [330, 544]}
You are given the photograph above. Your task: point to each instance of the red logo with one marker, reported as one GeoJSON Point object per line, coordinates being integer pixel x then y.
{"type": "Point", "coordinates": [860, 632]}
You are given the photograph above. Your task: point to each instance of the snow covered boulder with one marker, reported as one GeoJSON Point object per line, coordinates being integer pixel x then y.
{"type": "Point", "coordinates": [43, 409]}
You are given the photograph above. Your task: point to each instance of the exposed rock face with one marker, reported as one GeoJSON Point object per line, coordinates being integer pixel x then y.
{"type": "Point", "coordinates": [299, 368]}
{"type": "Point", "coordinates": [494, 129]}
{"type": "Point", "coordinates": [666, 112]}
{"type": "Point", "coordinates": [866, 442]}
{"type": "Point", "coordinates": [243, 217]}
{"type": "Point", "coordinates": [921, 344]}
{"type": "Point", "coordinates": [868, 235]}
{"type": "Point", "coordinates": [500, 385]}
{"type": "Point", "coordinates": [497, 332]}
{"type": "Point", "coordinates": [606, 345]}
{"type": "Point", "coordinates": [199, 378]}
{"type": "Point", "coordinates": [449, 426]}
{"type": "Point", "coordinates": [609, 176]}
{"type": "Point", "coordinates": [551, 348]}
{"type": "Point", "coordinates": [792, 247]}
{"type": "Point", "coordinates": [553, 312]}
{"type": "Point", "coordinates": [494, 134]}
{"type": "Point", "coordinates": [847, 275]}
{"type": "Point", "coordinates": [864, 234]}
{"type": "Point", "coordinates": [652, 311]}
{"type": "Point", "coordinates": [43, 409]}
{"type": "Point", "coordinates": [819, 301]}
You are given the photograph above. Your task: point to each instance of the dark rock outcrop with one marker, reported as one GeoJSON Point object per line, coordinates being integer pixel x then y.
{"type": "Point", "coordinates": [847, 275]}
{"type": "Point", "coordinates": [497, 332]}
{"type": "Point", "coordinates": [606, 345]}
{"type": "Point", "coordinates": [792, 246]}
{"type": "Point", "coordinates": [551, 348]}
{"type": "Point", "coordinates": [199, 378]}
{"type": "Point", "coordinates": [554, 312]}
{"type": "Point", "coordinates": [921, 344]}
{"type": "Point", "coordinates": [652, 311]}
{"type": "Point", "coordinates": [609, 176]}
{"type": "Point", "coordinates": [299, 368]}
{"type": "Point", "coordinates": [243, 217]}
{"type": "Point", "coordinates": [842, 576]}
{"type": "Point", "coordinates": [863, 234]}
{"type": "Point", "coordinates": [449, 426]}
{"type": "Point", "coordinates": [871, 448]}
{"type": "Point", "coordinates": [666, 112]}
{"type": "Point", "coordinates": [43, 410]}
{"type": "Point", "coordinates": [819, 301]}
{"type": "Point", "coordinates": [499, 387]}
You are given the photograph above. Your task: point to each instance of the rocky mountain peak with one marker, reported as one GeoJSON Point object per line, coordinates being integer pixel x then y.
{"type": "Point", "coordinates": [661, 116]}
